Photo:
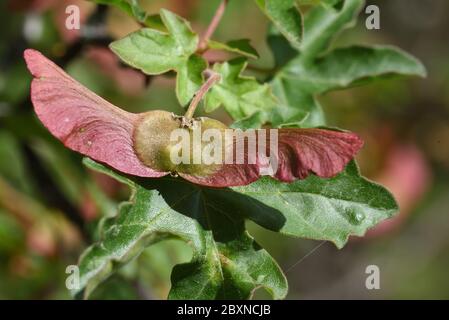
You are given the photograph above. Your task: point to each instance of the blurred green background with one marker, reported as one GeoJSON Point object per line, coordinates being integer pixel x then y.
{"type": "Point", "coordinates": [50, 204]}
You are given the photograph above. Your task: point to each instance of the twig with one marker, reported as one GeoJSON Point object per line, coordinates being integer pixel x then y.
{"type": "Point", "coordinates": [212, 26]}
{"type": "Point", "coordinates": [212, 78]}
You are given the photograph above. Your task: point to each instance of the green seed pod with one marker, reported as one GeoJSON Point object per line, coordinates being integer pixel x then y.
{"type": "Point", "coordinates": [159, 138]}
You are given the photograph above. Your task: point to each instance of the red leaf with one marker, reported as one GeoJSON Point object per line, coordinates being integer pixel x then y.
{"type": "Point", "coordinates": [322, 152]}
{"type": "Point", "coordinates": [300, 153]}
{"type": "Point", "coordinates": [83, 121]}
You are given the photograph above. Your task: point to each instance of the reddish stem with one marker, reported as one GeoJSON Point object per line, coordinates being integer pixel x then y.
{"type": "Point", "coordinates": [212, 78]}
{"type": "Point", "coordinates": [212, 26]}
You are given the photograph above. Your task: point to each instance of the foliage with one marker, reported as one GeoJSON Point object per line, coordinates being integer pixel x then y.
{"type": "Point", "coordinates": [227, 262]}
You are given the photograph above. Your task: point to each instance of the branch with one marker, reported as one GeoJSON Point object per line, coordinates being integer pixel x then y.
{"type": "Point", "coordinates": [212, 26]}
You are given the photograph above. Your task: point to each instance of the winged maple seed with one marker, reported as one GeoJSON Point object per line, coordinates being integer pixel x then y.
{"type": "Point", "coordinates": [142, 144]}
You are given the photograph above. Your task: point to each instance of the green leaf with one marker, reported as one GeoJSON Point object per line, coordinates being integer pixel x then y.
{"type": "Point", "coordinates": [181, 32]}
{"type": "Point", "coordinates": [297, 107]}
{"type": "Point", "coordinates": [233, 268]}
{"type": "Point", "coordinates": [240, 95]}
{"type": "Point", "coordinates": [155, 52]}
{"type": "Point", "coordinates": [286, 17]}
{"type": "Point", "coordinates": [346, 67]}
{"type": "Point", "coordinates": [297, 84]}
{"type": "Point", "coordinates": [322, 209]}
{"type": "Point", "coordinates": [329, 2]}
{"type": "Point", "coordinates": [282, 50]}
{"type": "Point", "coordinates": [132, 8]}
{"type": "Point", "coordinates": [241, 47]}
{"type": "Point", "coordinates": [226, 264]}
{"type": "Point", "coordinates": [317, 2]}
{"type": "Point", "coordinates": [323, 23]}
{"type": "Point", "coordinates": [310, 73]}
{"type": "Point", "coordinates": [252, 122]}
{"type": "Point", "coordinates": [190, 78]}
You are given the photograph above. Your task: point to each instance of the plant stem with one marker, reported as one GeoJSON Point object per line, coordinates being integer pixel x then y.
{"type": "Point", "coordinates": [212, 26]}
{"type": "Point", "coordinates": [212, 78]}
